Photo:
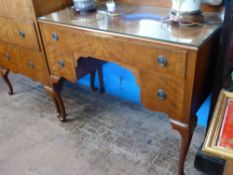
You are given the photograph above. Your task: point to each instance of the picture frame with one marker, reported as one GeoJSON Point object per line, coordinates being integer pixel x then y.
{"type": "Point", "coordinates": [219, 139]}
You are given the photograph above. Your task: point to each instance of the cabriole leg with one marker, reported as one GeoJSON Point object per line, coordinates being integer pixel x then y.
{"type": "Point", "coordinates": [100, 77]}
{"type": "Point", "coordinates": [186, 132]}
{"type": "Point", "coordinates": [4, 74]}
{"type": "Point", "coordinates": [56, 95]}
{"type": "Point", "coordinates": [54, 92]}
{"type": "Point", "coordinates": [92, 83]}
{"type": "Point", "coordinates": [49, 91]}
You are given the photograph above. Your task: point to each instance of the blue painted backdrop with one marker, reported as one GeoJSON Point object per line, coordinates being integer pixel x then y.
{"type": "Point", "coordinates": [121, 82]}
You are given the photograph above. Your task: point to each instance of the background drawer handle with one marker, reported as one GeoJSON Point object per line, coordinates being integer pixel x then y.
{"type": "Point", "coordinates": [162, 60]}
{"type": "Point", "coordinates": [31, 65]}
{"type": "Point", "coordinates": [61, 63]}
{"type": "Point", "coordinates": [161, 94]}
{"type": "Point", "coordinates": [7, 57]}
{"type": "Point", "coordinates": [22, 34]}
{"type": "Point", "coordinates": [55, 36]}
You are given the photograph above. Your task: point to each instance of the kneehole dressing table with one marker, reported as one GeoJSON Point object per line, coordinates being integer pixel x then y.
{"type": "Point", "coordinates": [172, 64]}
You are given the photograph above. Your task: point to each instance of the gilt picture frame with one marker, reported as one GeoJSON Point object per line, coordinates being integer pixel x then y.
{"type": "Point", "coordinates": [219, 139]}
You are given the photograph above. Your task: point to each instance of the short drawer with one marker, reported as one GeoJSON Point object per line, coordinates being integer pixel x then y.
{"type": "Point", "coordinates": [6, 29]}
{"type": "Point", "coordinates": [24, 34]}
{"type": "Point", "coordinates": [145, 57]}
{"type": "Point", "coordinates": [161, 60]}
{"type": "Point", "coordinates": [32, 64]}
{"type": "Point", "coordinates": [19, 8]}
{"type": "Point", "coordinates": [61, 63]}
{"type": "Point", "coordinates": [8, 57]}
{"type": "Point", "coordinates": [163, 94]}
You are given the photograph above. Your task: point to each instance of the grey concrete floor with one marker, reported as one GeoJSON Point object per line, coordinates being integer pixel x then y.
{"type": "Point", "coordinates": [104, 135]}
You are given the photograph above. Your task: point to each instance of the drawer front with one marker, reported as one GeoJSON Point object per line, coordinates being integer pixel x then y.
{"type": "Point", "coordinates": [6, 31]}
{"type": "Point", "coordinates": [163, 94]}
{"type": "Point", "coordinates": [61, 63]}
{"type": "Point", "coordinates": [145, 57]}
{"type": "Point", "coordinates": [2, 8]}
{"type": "Point", "coordinates": [33, 65]}
{"type": "Point", "coordinates": [24, 34]}
{"type": "Point", "coordinates": [20, 33]}
{"type": "Point", "coordinates": [160, 60]}
{"type": "Point", "coordinates": [18, 8]}
{"type": "Point", "coordinates": [8, 57]}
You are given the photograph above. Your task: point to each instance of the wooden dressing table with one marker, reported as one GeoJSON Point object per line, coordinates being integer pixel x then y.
{"type": "Point", "coordinates": [172, 65]}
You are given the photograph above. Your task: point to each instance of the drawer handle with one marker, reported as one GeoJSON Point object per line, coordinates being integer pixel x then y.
{"type": "Point", "coordinates": [55, 36]}
{"type": "Point", "coordinates": [162, 61]}
{"type": "Point", "coordinates": [7, 57]}
{"type": "Point", "coordinates": [161, 94]}
{"type": "Point", "coordinates": [31, 65]}
{"type": "Point", "coordinates": [61, 63]}
{"type": "Point", "coordinates": [22, 34]}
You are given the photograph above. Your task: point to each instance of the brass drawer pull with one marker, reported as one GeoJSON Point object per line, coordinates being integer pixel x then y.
{"type": "Point", "coordinates": [162, 61]}
{"type": "Point", "coordinates": [7, 57]}
{"type": "Point", "coordinates": [22, 34]}
{"type": "Point", "coordinates": [161, 94]}
{"type": "Point", "coordinates": [55, 36]}
{"type": "Point", "coordinates": [31, 65]}
{"type": "Point", "coordinates": [61, 63]}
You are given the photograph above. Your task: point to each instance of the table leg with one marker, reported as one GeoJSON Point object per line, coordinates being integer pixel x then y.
{"type": "Point", "coordinates": [186, 132]}
{"type": "Point", "coordinates": [228, 170]}
{"type": "Point", "coordinates": [50, 93]}
{"type": "Point", "coordinates": [101, 81]}
{"type": "Point", "coordinates": [93, 88]}
{"type": "Point", "coordinates": [54, 92]}
{"type": "Point", "coordinates": [4, 74]}
{"type": "Point", "coordinates": [56, 95]}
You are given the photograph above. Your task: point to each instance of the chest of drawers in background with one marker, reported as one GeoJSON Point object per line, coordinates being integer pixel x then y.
{"type": "Point", "coordinates": [21, 49]}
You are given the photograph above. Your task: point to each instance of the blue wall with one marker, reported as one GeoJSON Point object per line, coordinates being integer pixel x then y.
{"type": "Point", "coordinates": [120, 82]}
{"type": "Point", "coordinates": [203, 112]}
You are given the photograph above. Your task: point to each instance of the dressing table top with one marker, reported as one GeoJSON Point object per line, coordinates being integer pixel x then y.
{"type": "Point", "coordinates": [140, 22]}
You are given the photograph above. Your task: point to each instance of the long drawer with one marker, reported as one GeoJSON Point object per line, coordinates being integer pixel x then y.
{"type": "Point", "coordinates": [24, 34]}
{"type": "Point", "coordinates": [33, 65]}
{"type": "Point", "coordinates": [24, 61]}
{"type": "Point", "coordinates": [21, 33]}
{"type": "Point", "coordinates": [145, 57]}
{"type": "Point", "coordinates": [163, 94]}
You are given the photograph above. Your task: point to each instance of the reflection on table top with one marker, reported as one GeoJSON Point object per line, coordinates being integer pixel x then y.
{"type": "Point", "coordinates": [138, 21]}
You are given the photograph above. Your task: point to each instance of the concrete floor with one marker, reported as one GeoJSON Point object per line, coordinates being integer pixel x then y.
{"type": "Point", "coordinates": [103, 136]}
